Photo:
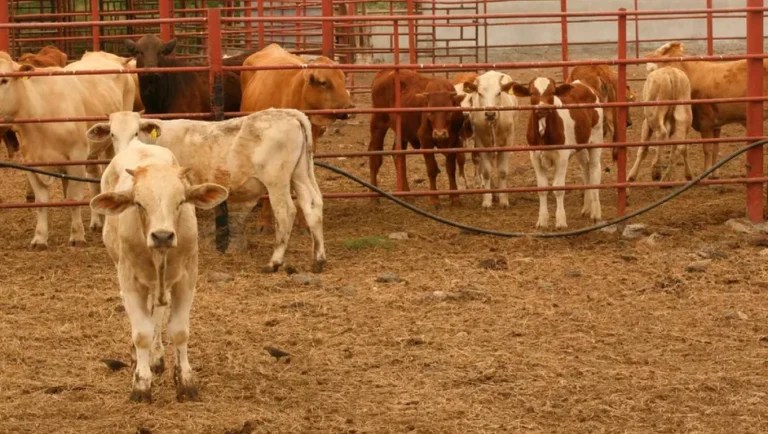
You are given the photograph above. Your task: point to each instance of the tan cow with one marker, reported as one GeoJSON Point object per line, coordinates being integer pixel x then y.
{"type": "Point", "coordinates": [548, 125]}
{"type": "Point", "coordinates": [666, 121]}
{"type": "Point", "coordinates": [56, 97]}
{"type": "Point", "coordinates": [266, 152]}
{"type": "Point", "coordinates": [712, 80]}
{"type": "Point", "coordinates": [151, 235]}
{"type": "Point", "coordinates": [605, 81]}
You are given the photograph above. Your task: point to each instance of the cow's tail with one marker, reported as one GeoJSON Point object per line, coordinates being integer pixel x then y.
{"type": "Point", "coordinates": [307, 144]}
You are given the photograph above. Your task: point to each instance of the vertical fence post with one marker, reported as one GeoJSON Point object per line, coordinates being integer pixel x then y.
{"type": "Point", "coordinates": [248, 25]}
{"type": "Point", "coordinates": [5, 39]}
{"type": "Point", "coordinates": [411, 33]}
{"type": "Point", "coordinates": [327, 27]}
{"type": "Point", "coordinates": [95, 30]}
{"type": "Point", "coordinates": [165, 12]}
{"type": "Point", "coordinates": [215, 73]}
{"type": "Point", "coordinates": [710, 30]}
{"type": "Point", "coordinates": [260, 25]}
{"type": "Point", "coordinates": [637, 33]}
{"type": "Point", "coordinates": [755, 110]}
{"type": "Point", "coordinates": [621, 112]}
{"type": "Point", "coordinates": [564, 35]}
{"type": "Point", "coordinates": [399, 159]}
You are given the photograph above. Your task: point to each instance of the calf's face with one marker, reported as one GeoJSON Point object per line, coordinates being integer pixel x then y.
{"type": "Point", "coordinates": [120, 130]}
{"type": "Point", "coordinates": [543, 93]}
{"type": "Point", "coordinates": [440, 121]}
{"type": "Point", "coordinates": [149, 50]}
{"type": "Point", "coordinates": [487, 91]}
{"type": "Point", "coordinates": [159, 196]}
{"type": "Point", "coordinates": [12, 88]}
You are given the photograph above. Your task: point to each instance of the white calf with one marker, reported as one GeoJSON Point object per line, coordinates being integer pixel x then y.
{"type": "Point", "coordinates": [665, 122]}
{"type": "Point", "coordinates": [493, 129]}
{"type": "Point", "coordinates": [151, 235]}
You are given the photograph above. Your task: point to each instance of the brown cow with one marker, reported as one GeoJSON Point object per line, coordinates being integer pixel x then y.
{"type": "Point", "coordinates": [467, 134]}
{"type": "Point", "coordinates": [550, 126]}
{"type": "Point", "coordinates": [47, 56]}
{"type": "Point", "coordinates": [712, 80]}
{"type": "Point", "coordinates": [420, 129]}
{"type": "Point", "coordinates": [604, 80]}
{"type": "Point", "coordinates": [300, 89]}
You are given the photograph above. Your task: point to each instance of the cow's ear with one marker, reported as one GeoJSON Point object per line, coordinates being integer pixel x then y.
{"type": "Point", "coordinates": [520, 90]}
{"type": "Point", "coordinates": [169, 46]}
{"type": "Point", "coordinates": [470, 87]}
{"type": "Point", "coordinates": [150, 128]}
{"type": "Point", "coordinates": [206, 196]}
{"type": "Point", "coordinates": [111, 204]}
{"type": "Point", "coordinates": [506, 87]}
{"type": "Point", "coordinates": [99, 132]}
{"type": "Point", "coordinates": [130, 45]}
{"type": "Point", "coordinates": [666, 48]}
{"type": "Point", "coordinates": [314, 80]}
{"type": "Point", "coordinates": [563, 89]}
{"type": "Point", "coordinates": [458, 99]}
{"type": "Point", "coordinates": [420, 100]}
{"type": "Point", "coordinates": [25, 68]}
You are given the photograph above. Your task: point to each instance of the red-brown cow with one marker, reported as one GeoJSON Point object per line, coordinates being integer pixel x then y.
{"type": "Point", "coordinates": [47, 56]}
{"type": "Point", "coordinates": [421, 129]}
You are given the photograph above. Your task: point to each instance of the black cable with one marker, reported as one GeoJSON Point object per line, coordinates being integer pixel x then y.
{"type": "Point", "coordinates": [439, 219]}
{"type": "Point", "coordinates": [546, 234]}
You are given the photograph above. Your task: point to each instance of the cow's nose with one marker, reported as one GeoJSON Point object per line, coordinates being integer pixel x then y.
{"type": "Point", "coordinates": [490, 116]}
{"type": "Point", "coordinates": [163, 238]}
{"type": "Point", "coordinates": [440, 134]}
{"type": "Point", "coordinates": [342, 116]}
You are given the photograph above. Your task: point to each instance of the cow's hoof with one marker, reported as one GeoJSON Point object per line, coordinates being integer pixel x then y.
{"type": "Point", "coordinates": [186, 389]}
{"type": "Point", "coordinates": [30, 199]}
{"type": "Point", "coordinates": [504, 204]}
{"type": "Point", "coordinates": [158, 366]}
{"type": "Point", "coordinates": [38, 245]}
{"type": "Point", "coordinates": [318, 266]}
{"type": "Point", "coordinates": [456, 202]}
{"type": "Point", "coordinates": [96, 227]}
{"type": "Point", "coordinates": [138, 395]}
{"type": "Point", "coordinates": [77, 243]}
{"type": "Point", "coordinates": [269, 269]}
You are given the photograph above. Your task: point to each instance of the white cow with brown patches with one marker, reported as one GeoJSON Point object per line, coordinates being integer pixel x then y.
{"type": "Point", "coordinates": [269, 151]}
{"type": "Point", "coordinates": [548, 125]}
{"type": "Point", "coordinates": [493, 129]}
{"type": "Point", "coordinates": [665, 122]}
{"type": "Point", "coordinates": [151, 235]}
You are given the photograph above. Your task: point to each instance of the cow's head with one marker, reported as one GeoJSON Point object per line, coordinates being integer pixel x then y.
{"type": "Point", "coordinates": [326, 89]}
{"type": "Point", "coordinates": [544, 94]}
{"type": "Point", "coordinates": [435, 95]}
{"type": "Point", "coordinates": [488, 90]}
{"type": "Point", "coordinates": [12, 88]}
{"type": "Point", "coordinates": [120, 130]}
{"type": "Point", "coordinates": [670, 49]}
{"type": "Point", "coordinates": [149, 50]}
{"type": "Point", "coordinates": [160, 193]}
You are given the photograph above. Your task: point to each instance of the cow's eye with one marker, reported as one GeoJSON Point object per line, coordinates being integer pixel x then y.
{"type": "Point", "coordinates": [181, 203]}
{"type": "Point", "coordinates": [139, 206]}
{"type": "Point", "coordinates": [4, 81]}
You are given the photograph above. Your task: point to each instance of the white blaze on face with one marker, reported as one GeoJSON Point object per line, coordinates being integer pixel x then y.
{"type": "Point", "coordinates": [541, 84]}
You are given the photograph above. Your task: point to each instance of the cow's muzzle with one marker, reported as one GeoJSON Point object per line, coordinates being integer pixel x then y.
{"type": "Point", "coordinates": [344, 116]}
{"type": "Point", "coordinates": [163, 239]}
{"type": "Point", "coordinates": [490, 116]}
{"type": "Point", "coordinates": [440, 134]}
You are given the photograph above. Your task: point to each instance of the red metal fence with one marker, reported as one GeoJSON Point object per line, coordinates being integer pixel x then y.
{"type": "Point", "coordinates": [342, 29]}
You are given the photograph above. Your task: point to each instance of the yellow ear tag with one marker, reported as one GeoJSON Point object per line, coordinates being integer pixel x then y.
{"type": "Point", "coordinates": [511, 91]}
{"type": "Point", "coordinates": [26, 77]}
{"type": "Point", "coordinates": [153, 134]}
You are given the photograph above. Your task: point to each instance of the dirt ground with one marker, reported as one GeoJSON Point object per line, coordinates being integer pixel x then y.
{"type": "Point", "coordinates": [593, 334]}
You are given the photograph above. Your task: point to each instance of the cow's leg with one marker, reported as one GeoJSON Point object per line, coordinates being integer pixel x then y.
{"type": "Point", "coordinates": [142, 329]}
{"type": "Point", "coordinates": [687, 167]}
{"type": "Point", "coordinates": [715, 154]}
{"type": "Point", "coordinates": [583, 158]}
{"type": "Point", "coordinates": [541, 181]}
{"type": "Point", "coordinates": [432, 171]}
{"type": "Point", "coordinates": [182, 295]}
{"type": "Point", "coordinates": [157, 352]}
{"type": "Point", "coordinates": [30, 195]}
{"type": "Point", "coordinates": [561, 167]}
{"type": "Point", "coordinates": [310, 201]}
{"type": "Point", "coordinates": [708, 133]}
{"type": "Point", "coordinates": [97, 220]}
{"type": "Point", "coordinates": [74, 191]}
{"type": "Point", "coordinates": [221, 223]}
{"type": "Point", "coordinates": [502, 167]}
{"type": "Point", "coordinates": [485, 171]}
{"type": "Point", "coordinates": [264, 225]}
{"type": "Point", "coordinates": [642, 151]}
{"type": "Point", "coordinates": [595, 175]}
{"type": "Point", "coordinates": [450, 167]}
{"type": "Point", "coordinates": [285, 212]}
{"type": "Point", "coordinates": [477, 163]}
{"type": "Point", "coordinates": [42, 195]}
{"type": "Point", "coordinates": [378, 133]}
{"type": "Point", "coordinates": [461, 181]}
{"type": "Point", "coordinates": [238, 218]}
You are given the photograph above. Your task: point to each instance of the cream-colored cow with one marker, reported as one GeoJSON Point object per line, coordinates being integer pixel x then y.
{"type": "Point", "coordinates": [151, 235]}
{"type": "Point", "coordinates": [56, 97]}
{"type": "Point", "coordinates": [665, 122]}
{"type": "Point", "coordinates": [269, 151]}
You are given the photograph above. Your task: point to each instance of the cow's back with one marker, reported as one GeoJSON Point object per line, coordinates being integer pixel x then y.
{"type": "Point", "coordinates": [270, 88]}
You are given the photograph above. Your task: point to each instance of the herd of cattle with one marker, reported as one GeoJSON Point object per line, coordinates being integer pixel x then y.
{"type": "Point", "coordinates": [161, 169]}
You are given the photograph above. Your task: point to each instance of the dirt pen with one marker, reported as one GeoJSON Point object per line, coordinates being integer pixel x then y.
{"type": "Point", "coordinates": [599, 333]}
